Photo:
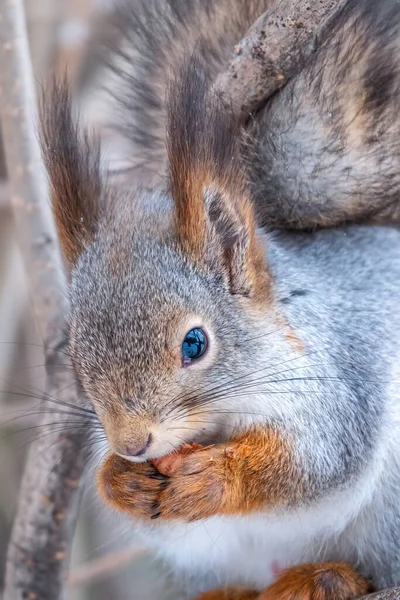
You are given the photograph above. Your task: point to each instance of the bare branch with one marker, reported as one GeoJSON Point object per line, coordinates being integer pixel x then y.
{"type": "Point", "coordinates": [274, 49]}
{"type": "Point", "coordinates": [40, 543]}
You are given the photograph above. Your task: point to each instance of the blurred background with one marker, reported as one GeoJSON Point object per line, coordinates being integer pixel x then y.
{"type": "Point", "coordinates": [106, 562]}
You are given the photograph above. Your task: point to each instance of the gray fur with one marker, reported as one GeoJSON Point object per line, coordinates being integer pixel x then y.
{"type": "Point", "coordinates": [329, 141]}
{"type": "Point", "coordinates": [133, 291]}
{"type": "Point", "coordinates": [340, 399]}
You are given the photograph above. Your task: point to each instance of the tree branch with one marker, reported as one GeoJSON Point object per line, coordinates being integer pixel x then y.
{"type": "Point", "coordinates": [41, 538]}
{"type": "Point", "coordinates": [392, 594]}
{"type": "Point", "coordinates": [274, 49]}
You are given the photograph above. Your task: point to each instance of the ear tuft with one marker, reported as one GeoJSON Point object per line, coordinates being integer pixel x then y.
{"type": "Point", "coordinates": [214, 216]}
{"type": "Point", "coordinates": [203, 150]}
{"type": "Point", "coordinates": [72, 161]}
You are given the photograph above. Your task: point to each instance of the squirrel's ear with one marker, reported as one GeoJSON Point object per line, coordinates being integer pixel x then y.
{"type": "Point", "coordinates": [233, 240]}
{"type": "Point", "coordinates": [214, 217]}
{"type": "Point", "coordinates": [72, 163]}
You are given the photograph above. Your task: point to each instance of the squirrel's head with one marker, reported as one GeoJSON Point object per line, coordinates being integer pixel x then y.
{"type": "Point", "coordinates": [167, 288]}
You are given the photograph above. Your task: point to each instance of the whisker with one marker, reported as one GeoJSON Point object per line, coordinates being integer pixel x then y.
{"type": "Point", "coordinates": [27, 414]}
{"type": "Point", "coordinates": [45, 397]}
{"type": "Point", "coordinates": [233, 381]}
{"type": "Point", "coordinates": [66, 366]}
{"type": "Point", "coordinates": [221, 389]}
{"type": "Point", "coordinates": [42, 346]}
{"type": "Point", "coordinates": [209, 388]}
{"type": "Point", "coordinates": [54, 427]}
{"type": "Point", "coordinates": [56, 432]}
{"type": "Point", "coordinates": [264, 381]}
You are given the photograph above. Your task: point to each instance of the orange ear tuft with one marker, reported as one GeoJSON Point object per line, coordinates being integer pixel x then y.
{"type": "Point", "coordinates": [214, 217]}
{"type": "Point", "coordinates": [72, 164]}
{"type": "Point", "coordinates": [191, 168]}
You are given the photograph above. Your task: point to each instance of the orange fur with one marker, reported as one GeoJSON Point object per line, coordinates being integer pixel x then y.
{"type": "Point", "coordinates": [131, 487]}
{"type": "Point", "coordinates": [191, 224]}
{"type": "Point", "coordinates": [248, 272]}
{"type": "Point", "coordinates": [169, 464]}
{"type": "Point", "coordinates": [214, 220]}
{"type": "Point", "coordinates": [325, 581]}
{"type": "Point", "coordinates": [255, 471]}
{"type": "Point", "coordinates": [290, 334]}
{"type": "Point", "coordinates": [293, 339]}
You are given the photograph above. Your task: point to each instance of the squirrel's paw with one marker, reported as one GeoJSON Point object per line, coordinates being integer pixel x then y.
{"type": "Point", "coordinates": [196, 490]}
{"type": "Point", "coordinates": [193, 492]}
{"type": "Point", "coordinates": [325, 581]}
{"type": "Point", "coordinates": [132, 487]}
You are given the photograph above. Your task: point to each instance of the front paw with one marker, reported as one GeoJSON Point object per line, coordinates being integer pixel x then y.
{"type": "Point", "coordinates": [325, 581]}
{"type": "Point", "coordinates": [197, 489]}
{"type": "Point", "coordinates": [131, 487]}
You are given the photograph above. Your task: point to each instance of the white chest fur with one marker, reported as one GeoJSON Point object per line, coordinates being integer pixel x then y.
{"type": "Point", "coordinates": [249, 550]}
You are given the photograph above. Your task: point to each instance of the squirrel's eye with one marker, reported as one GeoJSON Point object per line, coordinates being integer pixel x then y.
{"type": "Point", "coordinates": [193, 346]}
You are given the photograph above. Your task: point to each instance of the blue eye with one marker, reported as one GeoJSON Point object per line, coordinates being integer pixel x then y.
{"type": "Point", "coordinates": [193, 346]}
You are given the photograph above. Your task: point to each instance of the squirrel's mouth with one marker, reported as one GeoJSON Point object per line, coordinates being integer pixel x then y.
{"type": "Point", "coordinates": [162, 446]}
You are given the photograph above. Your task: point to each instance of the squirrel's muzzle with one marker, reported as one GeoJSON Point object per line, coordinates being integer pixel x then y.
{"type": "Point", "coordinates": [128, 436]}
{"type": "Point", "coordinates": [137, 448]}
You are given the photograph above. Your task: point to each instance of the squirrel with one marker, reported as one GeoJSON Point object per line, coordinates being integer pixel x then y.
{"type": "Point", "coordinates": [255, 313]}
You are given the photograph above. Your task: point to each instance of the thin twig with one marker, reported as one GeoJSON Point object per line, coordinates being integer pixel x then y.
{"type": "Point", "coordinates": [41, 538]}
{"type": "Point", "coordinates": [274, 49]}
{"type": "Point", "coordinates": [100, 568]}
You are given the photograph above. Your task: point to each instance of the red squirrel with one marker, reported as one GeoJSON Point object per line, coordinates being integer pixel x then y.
{"type": "Point", "coordinates": [199, 316]}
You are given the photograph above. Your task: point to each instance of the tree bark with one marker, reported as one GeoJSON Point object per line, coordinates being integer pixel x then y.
{"type": "Point", "coordinates": [391, 594]}
{"type": "Point", "coordinates": [274, 49]}
{"type": "Point", "coordinates": [44, 523]}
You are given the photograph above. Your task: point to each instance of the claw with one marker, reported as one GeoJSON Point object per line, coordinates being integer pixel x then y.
{"type": "Point", "coordinates": [157, 476]}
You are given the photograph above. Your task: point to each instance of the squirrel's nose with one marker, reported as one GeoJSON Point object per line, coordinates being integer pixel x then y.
{"type": "Point", "coordinates": [138, 449]}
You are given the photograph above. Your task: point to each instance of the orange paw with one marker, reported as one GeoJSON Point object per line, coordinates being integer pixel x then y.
{"type": "Point", "coordinates": [193, 492]}
{"type": "Point", "coordinates": [252, 472]}
{"type": "Point", "coordinates": [130, 487]}
{"type": "Point", "coordinates": [325, 581]}
{"type": "Point", "coordinates": [197, 487]}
